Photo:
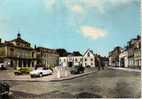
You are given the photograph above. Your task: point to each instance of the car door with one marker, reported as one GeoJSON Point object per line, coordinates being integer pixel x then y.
{"type": "Point", "coordinates": [45, 72]}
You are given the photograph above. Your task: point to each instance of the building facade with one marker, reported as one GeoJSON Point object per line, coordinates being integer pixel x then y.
{"type": "Point", "coordinates": [17, 53]}
{"type": "Point", "coordinates": [114, 56]}
{"type": "Point", "coordinates": [63, 61]}
{"type": "Point", "coordinates": [70, 60]}
{"type": "Point", "coordinates": [123, 58]}
{"type": "Point", "coordinates": [46, 56]}
{"type": "Point", "coordinates": [88, 59]}
{"type": "Point", "coordinates": [134, 52]}
{"type": "Point", "coordinates": [104, 61]}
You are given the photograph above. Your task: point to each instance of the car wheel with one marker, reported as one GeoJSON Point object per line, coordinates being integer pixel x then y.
{"type": "Point", "coordinates": [40, 75]}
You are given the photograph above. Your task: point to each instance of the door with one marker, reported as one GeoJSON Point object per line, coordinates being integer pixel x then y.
{"type": "Point", "coordinates": [122, 62]}
{"type": "Point", "coordinates": [70, 64]}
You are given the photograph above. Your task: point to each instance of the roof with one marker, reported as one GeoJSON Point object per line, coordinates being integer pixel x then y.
{"type": "Point", "coordinates": [89, 51]}
{"type": "Point", "coordinates": [45, 49]}
{"type": "Point", "coordinates": [2, 44]}
{"type": "Point", "coordinates": [76, 53]}
{"type": "Point", "coordinates": [12, 45]}
{"type": "Point", "coordinates": [19, 40]}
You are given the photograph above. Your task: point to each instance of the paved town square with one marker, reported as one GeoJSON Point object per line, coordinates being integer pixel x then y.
{"type": "Point", "coordinates": [70, 49]}
{"type": "Point", "coordinates": [105, 83]}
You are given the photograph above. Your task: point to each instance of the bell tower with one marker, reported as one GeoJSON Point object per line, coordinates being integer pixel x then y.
{"type": "Point", "coordinates": [18, 35]}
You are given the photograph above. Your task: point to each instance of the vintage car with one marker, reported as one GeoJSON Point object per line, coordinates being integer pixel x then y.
{"type": "Point", "coordinates": [39, 72]}
{"type": "Point", "coordinates": [77, 69]}
{"type": "Point", "coordinates": [23, 70]}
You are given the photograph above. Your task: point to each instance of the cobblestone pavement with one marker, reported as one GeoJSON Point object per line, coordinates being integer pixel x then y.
{"type": "Point", "coordinates": [105, 83]}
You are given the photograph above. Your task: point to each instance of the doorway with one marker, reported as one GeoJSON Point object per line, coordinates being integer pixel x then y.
{"type": "Point", "coordinates": [70, 64]}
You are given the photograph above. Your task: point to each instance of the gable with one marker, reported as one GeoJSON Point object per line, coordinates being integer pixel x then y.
{"type": "Point", "coordinates": [19, 42]}
{"type": "Point", "coordinates": [88, 53]}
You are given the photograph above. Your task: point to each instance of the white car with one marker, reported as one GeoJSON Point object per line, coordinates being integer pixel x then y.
{"type": "Point", "coordinates": [39, 72]}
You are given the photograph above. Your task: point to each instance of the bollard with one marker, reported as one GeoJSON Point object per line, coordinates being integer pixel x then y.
{"type": "Point", "coordinates": [58, 74]}
{"type": "Point", "coordinates": [66, 73]}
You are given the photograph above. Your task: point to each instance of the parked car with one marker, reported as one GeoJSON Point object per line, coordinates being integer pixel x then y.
{"type": "Point", "coordinates": [21, 71]}
{"type": "Point", "coordinates": [77, 69]}
{"type": "Point", "coordinates": [4, 89]}
{"type": "Point", "coordinates": [88, 66]}
{"type": "Point", "coordinates": [39, 72]}
{"type": "Point", "coordinates": [2, 66]}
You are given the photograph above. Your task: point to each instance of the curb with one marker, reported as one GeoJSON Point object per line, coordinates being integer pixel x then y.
{"type": "Point", "coordinates": [125, 69]}
{"type": "Point", "coordinates": [54, 80]}
{"type": "Point", "coordinates": [69, 78]}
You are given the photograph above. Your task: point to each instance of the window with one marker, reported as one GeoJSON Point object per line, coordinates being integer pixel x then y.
{"type": "Point", "coordinates": [32, 54]}
{"type": "Point", "coordinates": [85, 64]}
{"type": "Point", "coordinates": [75, 59]}
{"type": "Point", "coordinates": [88, 54]}
{"type": "Point", "coordinates": [139, 62]}
{"type": "Point", "coordinates": [64, 60]}
{"type": "Point", "coordinates": [91, 59]}
{"type": "Point", "coordinates": [91, 63]}
{"type": "Point", "coordinates": [11, 52]}
{"type": "Point", "coordinates": [85, 59]}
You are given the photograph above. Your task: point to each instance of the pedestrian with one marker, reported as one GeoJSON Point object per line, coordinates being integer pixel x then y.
{"type": "Point", "coordinates": [98, 64]}
{"type": "Point", "coordinates": [103, 66]}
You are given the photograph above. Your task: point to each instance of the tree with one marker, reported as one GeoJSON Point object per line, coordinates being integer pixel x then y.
{"type": "Point", "coordinates": [77, 53]}
{"type": "Point", "coordinates": [62, 52]}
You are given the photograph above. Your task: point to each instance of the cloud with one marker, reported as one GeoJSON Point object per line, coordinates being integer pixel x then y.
{"type": "Point", "coordinates": [103, 5]}
{"type": "Point", "coordinates": [82, 6]}
{"type": "Point", "coordinates": [74, 6]}
{"type": "Point", "coordinates": [77, 8]}
{"type": "Point", "coordinates": [49, 4]}
{"type": "Point", "coordinates": [99, 5]}
{"type": "Point", "coordinates": [92, 32]}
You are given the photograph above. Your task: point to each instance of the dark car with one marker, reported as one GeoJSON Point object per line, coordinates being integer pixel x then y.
{"type": "Point", "coordinates": [22, 71]}
{"type": "Point", "coordinates": [4, 89]}
{"type": "Point", "coordinates": [77, 69]}
{"type": "Point", "coordinates": [2, 66]}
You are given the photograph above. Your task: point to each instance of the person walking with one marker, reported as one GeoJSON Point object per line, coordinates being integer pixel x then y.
{"type": "Point", "coordinates": [98, 63]}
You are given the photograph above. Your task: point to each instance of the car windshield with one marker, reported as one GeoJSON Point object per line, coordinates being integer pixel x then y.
{"type": "Point", "coordinates": [40, 68]}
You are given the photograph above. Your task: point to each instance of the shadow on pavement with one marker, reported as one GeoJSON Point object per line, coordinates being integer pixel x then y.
{"type": "Point", "coordinates": [87, 95]}
{"type": "Point", "coordinates": [54, 94]}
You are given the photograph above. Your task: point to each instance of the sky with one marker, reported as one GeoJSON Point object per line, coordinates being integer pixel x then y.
{"type": "Point", "coordinates": [75, 25]}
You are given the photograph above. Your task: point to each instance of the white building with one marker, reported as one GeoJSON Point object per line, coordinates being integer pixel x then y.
{"type": "Point", "coordinates": [123, 59]}
{"type": "Point", "coordinates": [63, 61]}
{"type": "Point", "coordinates": [77, 60]}
{"type": "Point", "coordinates": [70, 60]}
{"type": "Point", "coordinates": [88, 59]}
{"type": "Point", "coordinates": [110, 61]}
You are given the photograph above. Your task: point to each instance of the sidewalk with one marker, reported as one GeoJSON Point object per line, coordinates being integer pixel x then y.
{"type": "Point", "coordinates": [71, 77]}
{"type": "Point", "coordinates": [51, 78]}
{"type": "Point", "coordinates": [125, 69]}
